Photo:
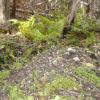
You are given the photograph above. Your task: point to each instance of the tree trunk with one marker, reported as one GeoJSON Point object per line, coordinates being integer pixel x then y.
{"type": "Point", "coordinates": [96, 8]}
{"type": "Point", "coordinates": [4, 14]}
{"type": "Point", "coordinates": [72, 8]}
{"type": "Point", "coordinates": [71, 12]}
{"type": "Point", "coordinates": [13, 12]}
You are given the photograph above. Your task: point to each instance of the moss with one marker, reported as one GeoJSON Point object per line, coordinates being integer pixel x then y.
{"type": "Point", "coordinates": [69, 97]}
{"type": "Point", "coordinates": [88, 75]}
{"type": "Point", "coordinates": [14, 52]}
{"type": "Point", "coordinates": [61, 82]}
{"type": "Point", "coordinates": [4, 74]}
{"type": "Point", "coordinates": [22, 60]}
{"type": "Point", "coordinates": [15, 93]}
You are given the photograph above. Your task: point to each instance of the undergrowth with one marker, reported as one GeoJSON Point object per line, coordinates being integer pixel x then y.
{"type": "Point", "coordinates": [10, 52]}
{"type": "Point", "coordinates": [57, 83]}
{"type": "Point", "coordinates": [82, 26]}
{"type": "Point", "coordinates": [40, 29]}
{"type": "Point", "coordinates": [15, 53]}
{"type": "Point", "coordinates": [4, 74]}
{"type": "Point", "coordinates": [14, 93]}
{"type": "Point", "coordinates": [61, 82]}
{"type": "Point", "coordinates": [88, 75]}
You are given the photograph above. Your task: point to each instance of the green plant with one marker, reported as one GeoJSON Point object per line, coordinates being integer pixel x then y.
{"type": "Point", "coordinates": [4, 74]}
{"type": "Point", "coordinates": [6, 56]}
{"type": "Point", "coordinates": [91, 39]}
{"type": "Point", "coordinates": [88, 75]}
{"type": "Point", "coordinates": [83, 25]}
{"type": "Point", "coordinates": [15, 93]}
{"type": "Point", "coordinates": [60, 82]}
{"type": "Point", "coordinates": [14, 53]}
{"type": "Point", "coordinates": [66, 98]}
{"type": "Point", "coordinates": [26, 28]}
{"type": "Point", "coordinates": [72, 39]}
{"type": "Point", "coordinates": [38, 31]}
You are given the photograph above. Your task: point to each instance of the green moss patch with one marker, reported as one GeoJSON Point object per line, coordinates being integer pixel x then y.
{"type": "Point", "coordinates": [4, 74]}
{"type": "Point", "coordinates": [15, 93]}
{"type": "Point", "coordinates": [15, 52]}
{"type": "Point", "coordinates": [61, 82]}
{"type": "Point", "coordinates": [88, 75]}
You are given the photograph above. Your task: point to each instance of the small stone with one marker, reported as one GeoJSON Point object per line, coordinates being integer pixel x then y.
{"type": "Point", "coordinates": [71, 50]}
{"type": "Point", "coordinates": [55, 62]}
{"type": "Point", "coordinates": [76, 59]}
{"type": "Point", "coordinates": [89, 65]}
{"type": "Point", "coordinates": [29, 81]}
{"type": "Point", "coordinates": [67, 53]}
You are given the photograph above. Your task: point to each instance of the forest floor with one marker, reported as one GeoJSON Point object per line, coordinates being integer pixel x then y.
{"type": "Point", "coordinates": [56, 73]}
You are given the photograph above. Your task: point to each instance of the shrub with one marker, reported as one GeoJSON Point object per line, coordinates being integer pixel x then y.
{"type": "Point", "coordinates": [88, 75]}
{"type": "Point", "coordinates": [61, 82]}
{"type": "Point", "coordinates": [39, 29]}
{"type": "Point", "coordinates": [83, 25]}
{"type": "Point", "coordinates": [15, 93]}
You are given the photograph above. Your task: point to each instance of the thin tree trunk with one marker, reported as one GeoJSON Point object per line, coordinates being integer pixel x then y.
{"type": "Point", "coordinates": [13, 12]}
{"type": "Point", "coordinates": [4, 14]}
{"type": "Point", "coordinates": [72, 8]}
{"type": "Point", "coordinates": [72, 11]}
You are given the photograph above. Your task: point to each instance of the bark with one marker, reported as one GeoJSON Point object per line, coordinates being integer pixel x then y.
{"type": "Point", "coordinates": [96, 8]}
{"type": "Point", "coordinates": [93, 9]}
{"type": "Point", "coordinates": [13, 10]}
{"type": "Point", "coordinates": [4, 14]}
{"type": "Point", "coordinates": [72, 8]}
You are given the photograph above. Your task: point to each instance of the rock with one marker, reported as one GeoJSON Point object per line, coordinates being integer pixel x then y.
{"type": "Point", "coordinates": [67, 53]}
{"type": "Point", "coordinates": [71, 50]}
{"type": "Point", "coordinates": [93, 56]}
{"type": "Point", "coordinates": [76, 59]}
{"type": "Point", "coordinates": [89, 65]}
{"type": "Point", "coordinates": [55, 62]}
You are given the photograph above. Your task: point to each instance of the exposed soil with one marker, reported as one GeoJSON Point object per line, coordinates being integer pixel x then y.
{"type": "Point", "coordinates": [60, 61]}
{"type": "Point", "coordinates": [57, 61]}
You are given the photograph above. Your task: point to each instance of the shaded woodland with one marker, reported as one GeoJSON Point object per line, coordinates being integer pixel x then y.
{"type": "Point", "coordinates": [49, 49]}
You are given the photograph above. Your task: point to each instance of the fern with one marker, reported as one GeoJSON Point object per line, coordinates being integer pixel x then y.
{"type": "Point", "coordinates": [16, 94]}
{"type": "Point", "coordinates": [83, 25]}
{"type": "Point", "coordinates": [42, 30]}
{"type": "Point", "coordinates": [90, 39]}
